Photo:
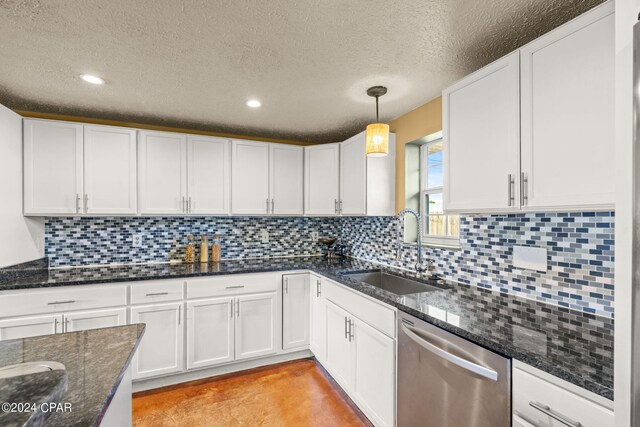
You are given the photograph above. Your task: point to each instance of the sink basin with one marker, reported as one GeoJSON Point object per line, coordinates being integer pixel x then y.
{"type": "Point", "coordinates": [395, 284]}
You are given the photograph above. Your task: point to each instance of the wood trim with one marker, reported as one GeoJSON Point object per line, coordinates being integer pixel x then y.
{"type": "Point", "coordinates": [90, 120]}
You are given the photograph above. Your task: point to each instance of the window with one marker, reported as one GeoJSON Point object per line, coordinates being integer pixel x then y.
{"type": "Point", "coordinates": [437, 228]}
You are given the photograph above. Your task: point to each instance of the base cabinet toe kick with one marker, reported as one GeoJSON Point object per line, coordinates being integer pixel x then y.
{"type": "Point", "coordinates": [386, 361]}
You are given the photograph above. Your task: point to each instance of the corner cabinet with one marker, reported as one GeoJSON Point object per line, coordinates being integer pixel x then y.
{"type": "Point", "coordinates": [75, 169]}
{"type": "Point", "coordinates": [533, 130]}
{"type": "Point", "coordinates": [341, 180]}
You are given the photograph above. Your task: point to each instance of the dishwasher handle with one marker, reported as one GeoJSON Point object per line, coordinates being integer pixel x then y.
{"type": "Point", "coordinates": [459, 361]}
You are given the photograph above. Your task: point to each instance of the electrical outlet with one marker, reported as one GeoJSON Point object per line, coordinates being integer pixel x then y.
{"type": "Point", "coordinates": [136, 241]}
{"type": "Point", "coordinates": [315, 236]}
{"type": "Point", "coordinates": [264, 236]}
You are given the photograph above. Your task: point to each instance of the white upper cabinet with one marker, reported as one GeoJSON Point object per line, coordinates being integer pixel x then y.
{"type": "Point", "coordinates": [481, 132]}
{"type": "Point", "coordinates": [209, 175]}
{"type": "Point", "coordinates": [568, 114]}
{"type": "Point", "coordinates": [353, 176]}
{"type": "Point", "coordinates": [322, 179]}
{"type": "Point", "coordinates": [286, 179]}
{"type": "Point", "coordinates": [52, 168]}
{"type": "Point", "coordinates": [551, 148]}
{"type": "Point", "coordinates": [250, 178]}
{"type": "Point", "coordinates": [162, 173]}
{"type": "Point", "coordinates": [110, 170]}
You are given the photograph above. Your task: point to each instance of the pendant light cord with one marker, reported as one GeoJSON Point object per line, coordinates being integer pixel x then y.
{"type": "Point", "coordinates": [377, 118]}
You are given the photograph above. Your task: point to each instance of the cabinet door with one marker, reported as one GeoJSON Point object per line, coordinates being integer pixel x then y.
{"type": "Point", "coordinates": [209, 170]}
{"type": "Point", "coordinates": [95, 319]}
{"type": "Point", "coordinates": [318, 325]}
{"type": "Point", "coordinates": [23, 327]}
{"type": "Point", "coordinates": [209, 332]}
{"type": "Point", "coordinates": [322, 179]}
{"type": "Point", "coordinates": [568, 114]}
{"type": "Point", "coordinates": [374, 366]}
{"type": "Point", "coordinates": [338, 357]}
{"type": "Point", "coordinates": [353, 176]}
{"type": "Point", "coordinates": [162, 173]}
{"type": "Point", "coordinates": [250, 178]}
{"type": "Point", "coordinates": [295, 310]}
{"type": "Point", "coordinates": [52, 168]}
{"type": "Point", "coordinates": [160, 351]}
{"type": "Point", "coordinates": [255, 325]}
{"type": "Point", "coordinates": [110, 175]}
{"type": "Point", "coordinates": [481, 132]}
{"type": "Point", "coordinates": [286, 179]}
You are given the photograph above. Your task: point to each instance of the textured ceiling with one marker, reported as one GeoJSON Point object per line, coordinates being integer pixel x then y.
{"type": "Point", "coordinates": [194, 63]}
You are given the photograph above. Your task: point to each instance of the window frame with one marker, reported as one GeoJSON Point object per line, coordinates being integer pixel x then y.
{"type": "Point", "coordinates": [439, 241]}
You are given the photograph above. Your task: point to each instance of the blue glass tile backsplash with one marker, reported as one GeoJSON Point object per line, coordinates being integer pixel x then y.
{"type": "Point", "coordinates": [580, 247]}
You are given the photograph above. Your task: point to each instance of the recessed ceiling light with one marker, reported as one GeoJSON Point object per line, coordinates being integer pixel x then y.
{"type": "Point", "coordinates": [254, 103]}
{"type": "Point", "coordinates": [92, 79]}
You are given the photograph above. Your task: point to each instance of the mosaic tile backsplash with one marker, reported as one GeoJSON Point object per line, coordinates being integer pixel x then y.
{"type": "Point", "coordinates": [580, 247]}
{"type": "Point", "coordinates": [107, 240]}
{"type": "Point", "coordinates": [580, 255]}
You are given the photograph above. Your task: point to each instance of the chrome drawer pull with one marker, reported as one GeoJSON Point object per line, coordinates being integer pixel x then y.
{"type": "Point", "coordinates": [235, 287]}
{"type": "Point", "coordinates": [157, 293]}
{"type": "Point", "coordinates": [555, 415]}
{"type": "Point", "coordinates": [318, 290]}
{"type": "Point", "coordinates": [61, 302]}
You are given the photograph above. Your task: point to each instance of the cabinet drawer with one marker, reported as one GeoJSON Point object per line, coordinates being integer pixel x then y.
{"type": "Point", "coordinates": [381, 317]}
{"type": "Point", "coordinates": [20, 303]}
{"type": "Point", "coordinates": [233, 284]}
{"type": "Point", "coordinates": [156, 291]}
{"type": "Point", "coordinates": [533, 396]}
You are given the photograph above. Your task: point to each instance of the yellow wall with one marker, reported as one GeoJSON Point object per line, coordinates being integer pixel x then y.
{"type": "Point", "coordinates": [422, 121]}
{"type": "Point", "coordinates": [67, 118]}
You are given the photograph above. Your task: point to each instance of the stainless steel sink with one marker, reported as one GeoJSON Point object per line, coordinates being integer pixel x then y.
{"type": "Point", "coordinates": [395, 284]}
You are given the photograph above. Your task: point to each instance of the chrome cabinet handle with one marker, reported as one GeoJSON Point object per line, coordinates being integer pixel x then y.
{"type": "Point", "coordinates": [156, 294]}
{"type": "Point", "coordinates": [459, 361]}
{"type": "Point", "coordinates": [231, 307]}
{"type": "Point", "coordinates": [235, 287]}
{"type": "Point", "coordinates": [272, 205]}
{"type": "Point", "coordinates": [55, 325]}
{"type": "Point", "coordinates": [524, 190]}
{"type": "Point", "coordinates": [238, 308]}
{"type": "Point", "coordinates": [184, 204]}
{"type": "Point", "coordinates": [179, 314]}
{"type": "Point", "coordinates": [350, 330]}
{"type": "Point", "coordinates": [61, 302]}
{"type": "Point", "coordinates": [65, 325]}
{"type": "Point", "coordinates": [511, 197]}
{"type": "Point", "coordinates": [189, 204]}
{"type": "Point", "coordinates": [86, 203]}
{"type": "Point", "coordinates": [318, 289]}
{"type": "Point", "coordinates": [340, 207]}
{"type": "Point", "coordinates": [554, 414]}
{"type": "Point", "coordinates": [346, 331]}
{"type": "Point", "coordinates": [77, 203]}
{"type": "Point", "coordinates": [335, 206]}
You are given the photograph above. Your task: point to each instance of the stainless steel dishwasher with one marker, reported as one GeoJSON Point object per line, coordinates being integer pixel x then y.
{"type": "Point", "coordinates": [447, 381]}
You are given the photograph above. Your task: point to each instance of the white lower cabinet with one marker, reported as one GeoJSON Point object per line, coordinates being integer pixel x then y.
{"type": "Point", "coordinates": [210, 332]}
{"type": "Point", "coordinates": [32, 326]}
{"type": "Point", "coordinates": [541, 400]}
{"type": "Point", "coordinates": [161, 350]}
{"type": "Point", "coordinates": [94, 319]}
{"type": "Point", "coordinates": [295, 310]}
{"type": "Point", "coordinates": [362, 361]}
{"type": "Point", "coordinates": [318, 327]}
{"type": "Point", "coordinates": [255, 325]}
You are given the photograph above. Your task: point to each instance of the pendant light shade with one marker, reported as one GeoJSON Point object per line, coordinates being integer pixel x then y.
{"type": "Point", "coordinates": [377, 139]}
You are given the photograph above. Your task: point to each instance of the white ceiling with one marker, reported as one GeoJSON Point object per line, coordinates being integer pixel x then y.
{"type": "Point", "coordinates": [195, 63]}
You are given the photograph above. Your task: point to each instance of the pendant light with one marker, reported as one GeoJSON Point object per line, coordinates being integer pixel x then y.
{"type": "Point", "coordinates": [377, 140]}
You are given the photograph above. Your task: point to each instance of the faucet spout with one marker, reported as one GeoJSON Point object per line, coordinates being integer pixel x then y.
{"type": "Point", "coordinates": [420, 267]}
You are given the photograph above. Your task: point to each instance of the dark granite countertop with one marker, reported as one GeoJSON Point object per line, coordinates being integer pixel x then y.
{"type": "Point", "coordinates": [571, 345]}
{"type": "Point", "coordinates": [95, 362]}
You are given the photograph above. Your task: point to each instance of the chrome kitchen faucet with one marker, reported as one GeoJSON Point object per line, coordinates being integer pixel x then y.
{"type": "Point", "coordinates": [420, 268]}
